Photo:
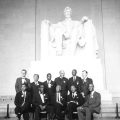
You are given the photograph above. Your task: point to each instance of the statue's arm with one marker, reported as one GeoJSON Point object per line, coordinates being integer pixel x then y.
{"type": "Point", "coordinates": [81, 35]}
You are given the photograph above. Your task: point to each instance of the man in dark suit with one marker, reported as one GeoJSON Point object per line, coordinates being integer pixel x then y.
{"type": "Point", "coordinates": [34, 88]}
{"type": "Point", "coordinates": [36, 84]}
{"type": "Point", "coordinates": [21, 80]}
{"type": "Point", "coordinates": [40, 100]}
{"type": "Point", "coordinates": [74, 99]}
{"type": "Point", "coordinates": [76, 81]}
{"type": "Point", "coordinates": [62, 81]}
{"type": "Point", "coordinates": [85, 83]}
{"type": "Point", "coordinates": [49, 89]}
{"type": "Point", "coordinates": [49, 85]}
{"type": "Point", "coordinates": [22, 102]}
{"type": "Point", "coordinates": [92, 105]}
{"type": "Point", "coordinates": [59, 102]}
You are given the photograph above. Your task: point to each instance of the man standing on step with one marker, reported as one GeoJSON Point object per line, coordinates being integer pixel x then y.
{"type": "Point", "coordinates": [92, 105]}
{"type": "Point", "coordinates": [61, 81]}
{"type": "Point", "coordinates": [76, 81]}
{"type": "Point", "coordinates": [85, 83]}
{"type": "Point", "coordinates": [22, 80]}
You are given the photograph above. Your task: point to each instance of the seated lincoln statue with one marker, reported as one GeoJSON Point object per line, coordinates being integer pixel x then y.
{"type": "Point", "coordinates": [68, 37]}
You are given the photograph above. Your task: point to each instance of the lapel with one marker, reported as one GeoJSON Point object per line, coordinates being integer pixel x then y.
{"type": "Point", "coordinates": [39, 98]}
{"type": "Point", "coordinates": [92, 100]}
{"type": "Point", "coordinates": [20, 81]}
{"type": "Point", "coordinates": [21, 97]}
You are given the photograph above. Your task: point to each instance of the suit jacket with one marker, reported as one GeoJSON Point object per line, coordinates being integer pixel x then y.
{"type": "Point", "coordinates": [94, 102]}
{"type": "Point", "coordinates": [49, 91]}
{"type": "Point", "coordinates": [34, 87]}
{"type": "Point", "coordinates": [19, 99]}
{"type": "Point", "coordinates": [77, 83]}
{"type": "Point", "coordinates": [62, 82]}
{"type": "Point", "coordinates": [85, 86]}
{"type": "Point", "coordinates": [63, 99]}
{"type": "Point", "coordinates": [18, 84]}
{"type": "Point", "coordinates": [38, 101]}
{"type": "Point", "coordinates": [77, 99]}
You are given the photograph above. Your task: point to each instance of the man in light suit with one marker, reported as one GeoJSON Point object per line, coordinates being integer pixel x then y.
{"type": "Point", "coordinates": [21, 80]}
{"type": "Point", "coordinates": [22, 102]}
{"type": "Point", "coordinates": [85, 83]}
{"type": "Point", "coordinates": [92, 105]}
{"type": "Point", "coordinates": [74, 99]}
{"type": "Point", "coordinates": [76, 81]}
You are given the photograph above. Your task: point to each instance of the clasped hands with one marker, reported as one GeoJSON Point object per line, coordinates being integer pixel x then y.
{"type": "Point", "coordinates": [42, 107]}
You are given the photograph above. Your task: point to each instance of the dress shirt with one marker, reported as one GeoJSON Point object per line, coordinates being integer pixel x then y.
{"type": "Point", "coordinates": [23, 80]}
{"type": "Point", "coordinates": [91, 94]}
{"type": "Point", "coordinates": [58, 97]}
{"type": "Point", "coordinates": [49, 83]}
{"type": "Point", "coordinates": [73, 94]}
{"type": "Point", "coordinates": [74, 78]}
{"type": "Point", "coordinates": [24, 95]}
{"type": "Point", "coordinates": [36, 83]}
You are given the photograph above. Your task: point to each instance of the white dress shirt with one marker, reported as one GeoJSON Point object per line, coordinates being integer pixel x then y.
{"type": "Point", "coordinates": [23, 80]}
{"type": "Point", "coordinates": [91, 94]}
{"type": "Point", "coordinates": [58, 97]}
{"type": "Point", "coordinates": [74, 78]}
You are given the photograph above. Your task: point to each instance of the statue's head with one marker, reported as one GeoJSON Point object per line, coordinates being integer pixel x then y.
{"type": "Point", "coordinates": [67, 12]}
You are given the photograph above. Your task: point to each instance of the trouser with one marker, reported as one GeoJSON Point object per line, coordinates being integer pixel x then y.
{"type": "Point", "coordinates": [21, 111]}
{"type": "Point", "coordinates": [85, 113]}
{"type": "Point", "coordinates": [58, 111]}
{"type": "Point", "coordinates": [72, 107]}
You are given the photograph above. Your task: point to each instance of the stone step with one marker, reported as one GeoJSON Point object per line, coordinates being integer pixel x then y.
{"type": "Point", "coordinates": [108, 109]}
{"type": "Point", "coordinates": [111, 115]}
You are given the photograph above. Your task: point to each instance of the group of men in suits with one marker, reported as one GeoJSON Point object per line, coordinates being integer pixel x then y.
{"type": "Point", "coordinates": [59, 97]}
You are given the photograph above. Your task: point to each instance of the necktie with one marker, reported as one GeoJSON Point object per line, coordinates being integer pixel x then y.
{"type": "Point", "coordinates": [74, 78]}
{"type": "Point", "coordinates": [73, 95]}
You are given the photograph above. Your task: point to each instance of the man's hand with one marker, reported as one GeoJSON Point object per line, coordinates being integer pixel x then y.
{"type": "Point", "coordinates": [83, 94]}
{"type": "Point", "coordinates": [81, 108]}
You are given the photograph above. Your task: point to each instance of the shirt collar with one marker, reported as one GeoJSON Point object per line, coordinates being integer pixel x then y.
{"type": "Point", "coordinates": [41, 92]}
{"type": "Point", "coordinates": [36, 83]}
{"type": "Point", "coordinates": [48, 81]}
{"type": "Point", "coordinates": [91, 94]}
{"type": "Point", "coordinates": [74, 77]}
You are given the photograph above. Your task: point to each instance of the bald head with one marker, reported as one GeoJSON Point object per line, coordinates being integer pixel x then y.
{"type": "Point", "coordinates": [62, 73]}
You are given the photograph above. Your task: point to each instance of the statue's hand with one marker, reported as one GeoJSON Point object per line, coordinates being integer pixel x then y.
{"type": "Point", "coordinates": [81, 42]}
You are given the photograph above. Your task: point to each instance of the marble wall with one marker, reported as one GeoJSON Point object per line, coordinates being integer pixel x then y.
{"type": "Point", "coordinates": [20, 35]}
